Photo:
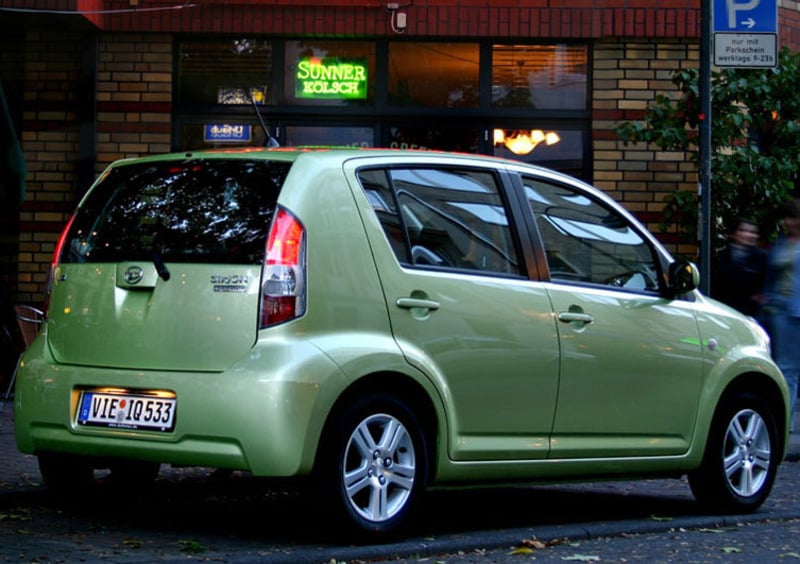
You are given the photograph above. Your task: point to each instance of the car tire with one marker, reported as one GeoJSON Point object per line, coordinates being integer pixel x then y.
{"type": "Point", "coordinates": [741, 457]}
{"type": "Point", "coordinates": [373, 468]}
{"type": "Point", "coordinates": [66, 474]}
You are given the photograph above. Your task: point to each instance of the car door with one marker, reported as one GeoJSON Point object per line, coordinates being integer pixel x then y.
{"type": "Point", "coordinates": [630, 356]}
{"type": "Point", "coordinates": [461, 307]}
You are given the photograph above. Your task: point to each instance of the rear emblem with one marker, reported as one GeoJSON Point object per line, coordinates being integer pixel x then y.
{"type": "Point", "coordinates": [133, 275]}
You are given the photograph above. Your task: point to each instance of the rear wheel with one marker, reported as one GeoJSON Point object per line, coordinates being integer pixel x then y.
{"type": "Point", "coordinates": [373, 469]}
{"type": "Point", "coordinates": [741, 457]}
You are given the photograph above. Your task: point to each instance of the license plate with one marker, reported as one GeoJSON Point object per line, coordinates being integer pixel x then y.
{"type": "Point", "coordinates": [127, 411]}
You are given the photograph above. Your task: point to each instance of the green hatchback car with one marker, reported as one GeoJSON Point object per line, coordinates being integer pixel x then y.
{"type": "Point", "coordinates": [384, 322]}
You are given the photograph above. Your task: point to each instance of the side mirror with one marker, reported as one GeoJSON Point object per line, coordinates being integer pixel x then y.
{"type": "Point", "coordinates": [683, 277]}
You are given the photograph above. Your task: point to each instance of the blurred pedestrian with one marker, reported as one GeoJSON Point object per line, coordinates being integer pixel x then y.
{"type": "Point", "coordinates": [739, 270]}
{"type": "Point", "coordinates": [783, 297]}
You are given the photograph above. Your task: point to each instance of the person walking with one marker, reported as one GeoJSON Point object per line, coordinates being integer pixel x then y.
{"type": "Point", "coordinates": [739, 271]}
{"type": "Point", "coordinates": [783, 298]}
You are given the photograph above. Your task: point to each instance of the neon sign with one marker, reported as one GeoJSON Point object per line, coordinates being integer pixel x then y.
{"type": "Point", "coordinates": [331, 78]}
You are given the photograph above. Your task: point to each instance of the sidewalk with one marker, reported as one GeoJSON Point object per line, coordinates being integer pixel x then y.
{"type": "Point", "coordinates": [17, 471]}
{"type": "Point", "coordinates": [20, 472]}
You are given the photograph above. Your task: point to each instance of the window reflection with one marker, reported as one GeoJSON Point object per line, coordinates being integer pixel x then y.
{"type": "Point", "coordinates": [443, 218]}
{"type": "Point", "coordinates": [328, 136]}
{"type": "Point", "coordinates": [198, 211]}
{"type": "Point", "coordinates": [565, 156]}
{"type": "Point", "coordinates": [224, 71]}
{"type": "Point", "coordinates": [462, 140]}
{"type": "Point", "coordinates": [435, 75]}
{"type": "Point", "coordinates": [585, 241]}
{"type": "Point", "coordinates": [539, 76]}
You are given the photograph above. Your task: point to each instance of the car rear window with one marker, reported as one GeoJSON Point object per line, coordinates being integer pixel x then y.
{"type": "Point", "coordinates": [206, 211]}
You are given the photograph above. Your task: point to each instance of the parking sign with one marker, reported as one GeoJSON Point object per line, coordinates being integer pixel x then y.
{"type": "Point", "coordinates": [745, 33]}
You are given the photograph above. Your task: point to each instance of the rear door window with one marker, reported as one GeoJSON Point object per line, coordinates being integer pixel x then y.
{"type": "Point", "coordinates": [443, 218]}
{"type": "Point", "coordinates": [194, 211]}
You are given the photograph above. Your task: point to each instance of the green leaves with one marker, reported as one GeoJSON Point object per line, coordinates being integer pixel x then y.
{"type": "Point", "coordinates": [755, 130]}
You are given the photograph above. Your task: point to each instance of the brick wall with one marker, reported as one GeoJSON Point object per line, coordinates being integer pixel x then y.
{"type": "Point", "coordinates": [626, 78]}
{"type": "Point", "coordinates": [134, 96]}
{"type": "Point", "coordinates": [11, 74]}
{"type": "Point", "coordinates": [133, 118]}
{"type": "Point", "coordinates": [51, 144]}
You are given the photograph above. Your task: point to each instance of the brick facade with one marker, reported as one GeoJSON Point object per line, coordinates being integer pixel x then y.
{"type": "Point", "coordinates": [134, 96]}
{"type": "Point", "coordinates": [78, 116]}
{"type": "Point", "coordinates": [51, 144]}
{"type": "Point", "coordinates": [627, 75]}
{"type": "Point", "coordinates": [132, 117]}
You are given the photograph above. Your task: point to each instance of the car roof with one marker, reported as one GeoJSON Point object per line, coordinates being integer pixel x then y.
{"type": "Point", "coordinates": [326, 152]}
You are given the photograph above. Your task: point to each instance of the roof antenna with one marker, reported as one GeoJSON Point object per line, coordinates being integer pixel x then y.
{"type": "Point", "coordinates": [269, 140]}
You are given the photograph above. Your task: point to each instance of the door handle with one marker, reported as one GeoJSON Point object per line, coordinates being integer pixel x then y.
{"type": "Point", "coordinates": [412, 303]}
{"type": "Point", "coordinates": [574, 316]}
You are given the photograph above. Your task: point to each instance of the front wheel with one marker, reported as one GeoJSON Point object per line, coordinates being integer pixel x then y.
{"type": "Point", "coordinates": [374, 466]}
{"type": "Point", "coordinates": [741, 458]}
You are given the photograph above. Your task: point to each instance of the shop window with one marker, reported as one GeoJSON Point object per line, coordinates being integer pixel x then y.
{"type": "Point", "coordinates": [329, 73]}
{"type": "Point", "coordinates": [434, 75]}
{"type": "Point", "coordinates": [222, 133]}
{"type": "Point", "coordinates": [224, 71]}
{"type": "Point", "coordinates": [462, 140]}
{"type": "Point", "coordinates": [556, 148]}
{"type": "Point", "coordinates": [338, 136]}
{"type": "Point", "coordinates": [540, 76]}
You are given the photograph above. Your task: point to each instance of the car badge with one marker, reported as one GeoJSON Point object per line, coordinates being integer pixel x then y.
{"type": "Point", "coordinates": [133, 275]}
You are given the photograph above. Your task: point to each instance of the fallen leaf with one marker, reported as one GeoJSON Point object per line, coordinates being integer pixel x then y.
{"type": "Point", "coordinates": [657, 518]}
{"type": "Point", "coordinates": [790, 555]}
{"type": "Point", "coordinates": [191, 546]}
{"type": "Point", "coordinates": [534, 543]}
{"type": "Point", "coordinates": [132, 543]}
{"type": "Point", "coordinates": [731, 549]}
{"type": "Point", "coordinates": [521, 550]}
{"type": "Point", "coordinates": [13, 517]}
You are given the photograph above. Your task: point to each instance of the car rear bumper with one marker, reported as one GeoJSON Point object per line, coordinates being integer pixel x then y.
{"type": "Point", "coordinates": [248, 417]}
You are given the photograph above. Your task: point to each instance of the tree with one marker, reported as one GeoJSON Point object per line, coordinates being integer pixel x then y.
{"type": "Point", "coordinates": [755, 139]}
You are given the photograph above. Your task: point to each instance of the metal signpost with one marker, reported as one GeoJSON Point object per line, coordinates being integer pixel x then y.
{"type": "Point", "coordinates": [745, 35]}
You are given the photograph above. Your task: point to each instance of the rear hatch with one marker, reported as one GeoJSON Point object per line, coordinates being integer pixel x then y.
{"type": "Point", "coordinates": [160, 268]}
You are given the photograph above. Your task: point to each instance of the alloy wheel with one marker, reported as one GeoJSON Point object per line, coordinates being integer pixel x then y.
{"type": "Point", "coordinates": [379, 468]}
{"type": "Point", "coordinates": [746, 452]}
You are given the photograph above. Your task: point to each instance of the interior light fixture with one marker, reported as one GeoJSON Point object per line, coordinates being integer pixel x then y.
{"type": "Point", "coordinates": [522, 142]}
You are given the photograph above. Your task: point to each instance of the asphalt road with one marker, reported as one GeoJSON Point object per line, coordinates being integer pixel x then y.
{"type": "Point", "coordinates": [197, 515]}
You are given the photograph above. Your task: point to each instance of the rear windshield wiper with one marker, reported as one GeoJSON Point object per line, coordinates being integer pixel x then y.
{"type": "Point", "coordinates": [161, 268]}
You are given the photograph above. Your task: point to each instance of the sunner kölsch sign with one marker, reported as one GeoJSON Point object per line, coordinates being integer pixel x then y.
{"type": "Point", "coordinates": [331, 78]}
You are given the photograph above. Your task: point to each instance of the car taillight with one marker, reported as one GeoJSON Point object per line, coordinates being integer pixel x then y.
{"type": "Point", "coordinates": [283, 289]}
{"type": "Point", "coordinates": [54, 264]}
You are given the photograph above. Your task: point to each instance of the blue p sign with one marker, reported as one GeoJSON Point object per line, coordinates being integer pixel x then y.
{"type": "Point", "coordinates": [735, 7]}
{"type": "Point", "coordinates": [745, 16]}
